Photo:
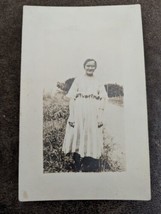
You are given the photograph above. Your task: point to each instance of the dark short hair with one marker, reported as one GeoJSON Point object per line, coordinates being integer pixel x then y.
{"type": "Point", "coordinates": [88, 60]}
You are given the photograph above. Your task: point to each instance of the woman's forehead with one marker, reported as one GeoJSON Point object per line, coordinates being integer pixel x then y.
{"type": "Point", "coordinates": [91, 62]}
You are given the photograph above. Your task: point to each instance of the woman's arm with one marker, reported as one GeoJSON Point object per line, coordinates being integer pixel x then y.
{"type": "Point", "coordinates": [100, 112]}
{"type": "Point", "coordinates": [103, 96]}
{"type": "Point", "coordinates": [71, 119]}
{"type": "Point", "coordinates": [71, 95]}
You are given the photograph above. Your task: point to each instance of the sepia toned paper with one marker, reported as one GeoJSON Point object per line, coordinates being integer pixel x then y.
{"type": "Point", "coordinates": [83, 113]}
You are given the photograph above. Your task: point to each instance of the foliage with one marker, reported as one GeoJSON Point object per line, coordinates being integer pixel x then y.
{"type": "Point", "coordinates": [113, 90]}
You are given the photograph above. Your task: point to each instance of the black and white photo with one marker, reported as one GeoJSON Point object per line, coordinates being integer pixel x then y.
{"type": "Point", "coordinates": [83, 111]}
{"type": "Point", "coordinates": [82, 141]}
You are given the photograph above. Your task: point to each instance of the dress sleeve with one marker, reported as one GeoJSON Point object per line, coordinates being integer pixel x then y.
{"type": "Point", "coordinates": [103, 96]}
{"type": "Point", "coordinates": [103, 92]}
{"type": "Point", "coordinates": [71, 95]}
{"type": "Point", "coordinates": [73, 90]}
{"type": "Point", "coordinates": [71, 110]}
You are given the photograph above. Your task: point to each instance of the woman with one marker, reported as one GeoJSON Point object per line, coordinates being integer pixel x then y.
{"type": "Point", "coordinates": [83, 135]}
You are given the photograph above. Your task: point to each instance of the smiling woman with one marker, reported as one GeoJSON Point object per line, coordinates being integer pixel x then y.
{"type": "Point", "coordinates": [83, 135]}
{"type": "Point", "coordinates": [90, 65]}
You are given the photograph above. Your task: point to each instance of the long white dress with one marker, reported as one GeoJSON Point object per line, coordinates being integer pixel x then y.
{"type": "Point", "coordinates": [87, 97]}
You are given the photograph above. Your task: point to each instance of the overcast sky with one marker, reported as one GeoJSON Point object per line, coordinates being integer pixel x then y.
{"type": "Point", "coordinates": [62, 44]}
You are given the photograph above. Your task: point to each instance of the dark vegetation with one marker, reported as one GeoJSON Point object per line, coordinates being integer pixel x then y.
{"type": "Point", "coordinates": [113, 90]}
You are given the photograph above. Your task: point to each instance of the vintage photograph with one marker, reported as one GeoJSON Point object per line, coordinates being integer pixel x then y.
{"type": "Point", "coordinates": [83, 115]}
{"type": "Point", "coordinates": [83, 125]}
{"type": "Point", "coordinates": [83, 96]}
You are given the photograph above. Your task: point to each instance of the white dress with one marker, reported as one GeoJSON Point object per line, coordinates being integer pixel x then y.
{"type": "Point", "coordinates": [87, 97]}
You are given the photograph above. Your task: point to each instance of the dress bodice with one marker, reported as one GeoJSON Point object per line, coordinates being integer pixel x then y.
{"type": "Point", "coordinates": [86, 86]}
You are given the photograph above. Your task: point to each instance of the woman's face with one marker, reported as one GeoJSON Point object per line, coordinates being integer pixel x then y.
{"type": "Point", "coordinates": [90, 68]}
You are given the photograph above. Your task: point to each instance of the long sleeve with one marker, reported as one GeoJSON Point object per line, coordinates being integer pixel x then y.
{"type": "Point", "coordinates": [73, 90]}
{"type": "Point", "coordinates": [71, 95]}
{"type": "Point", "coordinates": [71, 110]}
{"type": "Point", "coordinates": [103, 96]}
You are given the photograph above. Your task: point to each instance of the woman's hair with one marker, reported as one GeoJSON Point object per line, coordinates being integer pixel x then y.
{"type": "Point", "coordinates": [88, 60]}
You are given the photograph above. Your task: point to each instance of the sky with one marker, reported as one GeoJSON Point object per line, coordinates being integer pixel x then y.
{"type": "Point", "coordinates": [62, 44]}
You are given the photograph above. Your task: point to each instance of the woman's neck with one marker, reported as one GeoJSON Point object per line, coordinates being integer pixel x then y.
{"type": "Point", "coordinates": [87, 75]}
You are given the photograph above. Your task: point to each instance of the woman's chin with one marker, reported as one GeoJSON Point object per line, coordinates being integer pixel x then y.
{"type": "Point", "coordinates": [89, 74]}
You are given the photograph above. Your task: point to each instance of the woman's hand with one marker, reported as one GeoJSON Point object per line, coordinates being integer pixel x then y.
{"type": "Point", "coordinates": [71, 124]}
{"type": "Point", "coordinates": [100, 124]}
